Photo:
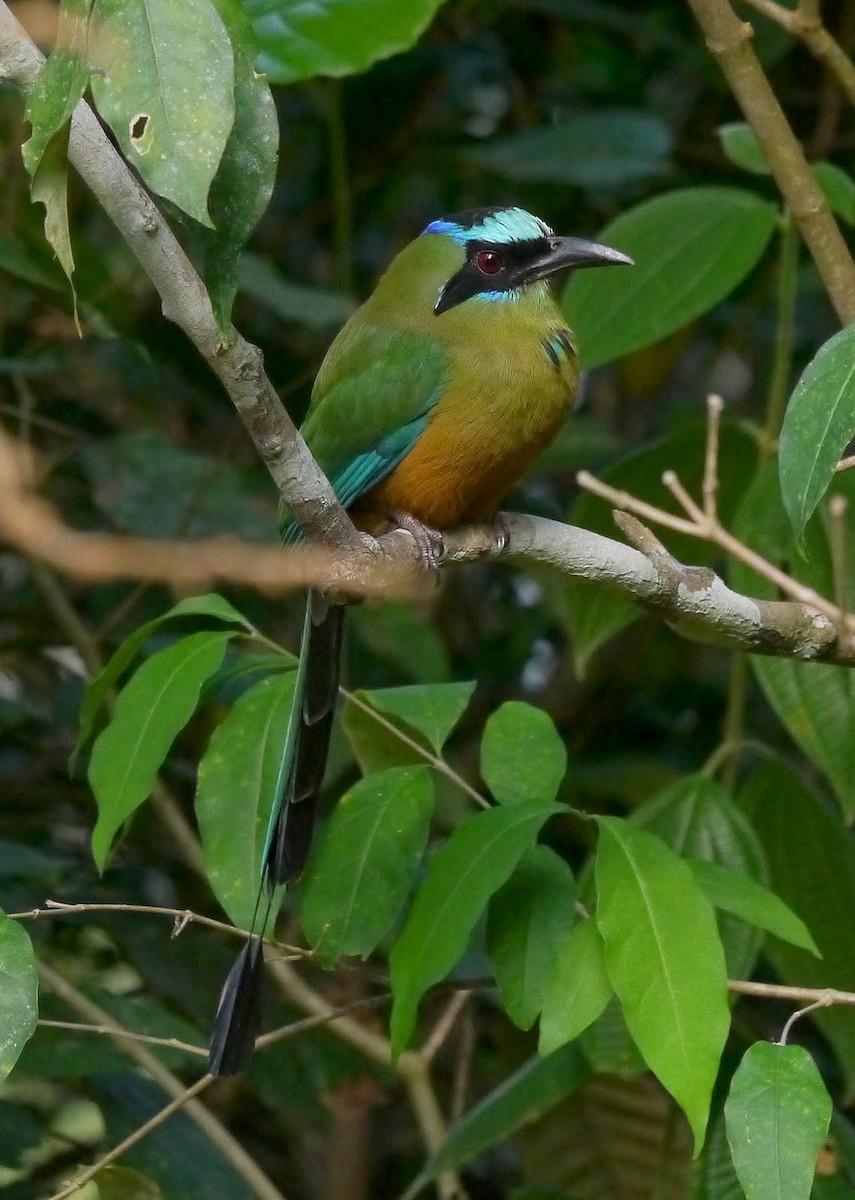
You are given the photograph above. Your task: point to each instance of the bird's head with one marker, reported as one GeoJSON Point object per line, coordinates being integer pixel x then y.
{"type": "Point", "coordinates": [507, 250]}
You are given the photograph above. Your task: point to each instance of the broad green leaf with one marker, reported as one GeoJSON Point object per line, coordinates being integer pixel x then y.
{"type": "Point", "coordinates": [50, 102]}
{"type": "Point", "coordinates": [814, 701]}
{"type": "Point", "coordinates": [753, 903]}
{"type": "Point", "coordinates": [522, 756]}
{"type": "Point", "coordinates": [522, 1098]}
{"type": "Point", "coordinates": [604, 149]}
{"type": "Point", "coordinates": [333, 37]}
{"type": "Point", "coordinates": [528, 920]}
{"type": "Point", "coordinates": [739, 143]}
{"type": "Point", "coordinates": [839, 188]}
{"type": "Point", "coordinates": [235, 789]}
{"type": "Point", "coordinates": [376, 747]}
{"type": "Point", "coordinates": [578, 990]}
{"type": "Point", "coordinates": [691, 249]}
{"type": "Point", "coordinates": [698, 820]}
{"type": "Point", "coordinates": [818, 426]}
{"type": "Point", "coordinates": [244, 182]}
{"type": "Point", "coordinates": [595, 615]}
{"type": "Point", "coordinates": [432, 709]}
{"type": "Point", "coordinates": [318, 308]}
{"type": "Point", "coordinates": [379, 829]}
{"type": "Point", "coordinates": [123, 1183]}
{"type": "Point", "coordinates": [163, 80]}
{"type": "Point", "coordinates": [812, 864]}
{"type": "Point", "coordinates": [777, 1114]}
{"type": "Point", "coordinates": [151, 710]}
{"type": "Point", "coordinates": [19, 992]}
{"type": "Point", "coordinates": [665, 961]}
{"type": "Point", "coordinates": [465, 872]}
{"type": "Point", "coordinates": [608, 1046]}
{"type": "Point", "coordinates": [210, 605]}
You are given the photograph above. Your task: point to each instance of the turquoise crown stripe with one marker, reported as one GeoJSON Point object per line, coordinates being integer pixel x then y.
{"type": "Point", "coordinates": [505, 225]}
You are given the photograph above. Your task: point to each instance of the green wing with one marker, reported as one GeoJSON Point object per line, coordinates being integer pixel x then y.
{"type": "Point", "coordinates": [370, 404]}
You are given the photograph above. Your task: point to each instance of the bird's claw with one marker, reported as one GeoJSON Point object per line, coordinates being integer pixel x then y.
{"type": "Point", "coordinates": [428, 541]}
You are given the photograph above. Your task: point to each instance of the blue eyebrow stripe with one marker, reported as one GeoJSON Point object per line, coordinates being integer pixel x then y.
{"type": "Point", "coordinates": [507, 225]}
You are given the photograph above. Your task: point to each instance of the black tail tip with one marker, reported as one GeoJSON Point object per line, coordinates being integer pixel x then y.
{"type": "Point", "coordinates": [239, 1012]}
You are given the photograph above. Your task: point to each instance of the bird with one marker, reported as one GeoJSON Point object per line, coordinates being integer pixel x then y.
{"type": "Point", "coordinates": [434, 398]}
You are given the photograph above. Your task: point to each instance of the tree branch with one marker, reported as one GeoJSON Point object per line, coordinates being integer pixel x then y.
{"type": "Point", "coordinates": [729, 41]}
{"type": "Point", "coordinates": [805, 23]}
{"type": "Point", "coordinates": [238, 365]}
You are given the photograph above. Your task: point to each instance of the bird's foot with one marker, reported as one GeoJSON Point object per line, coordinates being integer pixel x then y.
{"type": "Point", "coordinates": [501, 533]}
{"type": "Point", "coordinates": [428, 541]}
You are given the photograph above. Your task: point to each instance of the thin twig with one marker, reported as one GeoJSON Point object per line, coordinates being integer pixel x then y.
{"type": "Point", "coordinates": [783, 991]}
{"type": "Point", "coordinates": [111, 1031]}
{"type": "Point", "coordinates": [709, 488]}
{"type": "Point", "coordinates": [838, 539]}
{"type": "Point", "coordinates": [823, 1002]}
{"type": "Point", "coordinates": [189, 1094]}
{"type": "Point", "coordinates": [445, 1024]}
{"type": "Point", "coordinates": [804, 23]}
{"type": "Point", "coordinates": [435, 760]}
{"type": "Point", "coordinates": [213, 1129]}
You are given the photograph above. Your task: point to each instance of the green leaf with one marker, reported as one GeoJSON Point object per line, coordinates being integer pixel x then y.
{"type": "Point", "coordinates": [818, 425]}
{"type": "Point", "coordinates": [527, 922]}
{"type": "Point", "coordinates": [812, 864]}
{"type": "Point", "coordinates": [605, 149]}
{"type": "Point", "coordinates": [19, 992]}
{"type": "Point", "coordinates": [595, 615]}
{"type": "Point", "coordinates": [522, 1098]}
{"type": "Point", "coordinates": [750, 902]}
{"type": "Point", "coordinates": [698, 820]}
{"type": "Point", "coordinates": [379, 829]}
{"type": "Point", "coordinates": [579, 988]}
{"type": "Point", "coordinates": [332, 37]}
{"type": "Point", "coordinates": [839, 188]}
{"type": "Point", "coordinates": [151, 710]}
{"type": "Point", "coordinates": [475, 861]}
{"type": "Point", "coordinates": [740, 145]}
{"type": "Point", "coordinates": [777, 1114]}
{"type": "Point", "coordinates": [718, 1180]}
{"type": "Point", "coordinates": [235, 789]}
{"type": "Point", "coordinates": [691, 249]}
{"type": "Point", "coordinates": [814, 701]}
{"type": "Point", "coordinates": [163, 80]}
{"type": "Point", "coordinates": [244, 182]}
{"type": "Point", "coordinates": [50, 102]}
{"type": "Point", "coordinates": [522, 756]}
{"type": "Point", "coordinates": [210, 605]}
{"type": "Point", "coordinates": [123, 1183]}
{"type": "Point", "coordinates": [431, 709]}
{"type": "Point", "coordinates": [375, 747]}
{"type": "Point", "coordinates": [665, 961]}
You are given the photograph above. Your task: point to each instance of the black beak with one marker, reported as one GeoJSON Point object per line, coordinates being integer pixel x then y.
{"type": "Point", "coordinates": [565, 253]}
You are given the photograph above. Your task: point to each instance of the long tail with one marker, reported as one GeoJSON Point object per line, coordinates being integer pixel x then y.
{"type": "Point", "coordinates": [289, 833]}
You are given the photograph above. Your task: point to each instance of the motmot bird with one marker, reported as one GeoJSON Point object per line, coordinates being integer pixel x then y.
{"type": "Point", "coordinates": [434, 398]}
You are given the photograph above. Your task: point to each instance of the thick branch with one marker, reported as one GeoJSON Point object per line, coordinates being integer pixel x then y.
{"type": "Point", "coordinates": [238, 365]}
{"type": "Point", "coordinates": [729, 40]}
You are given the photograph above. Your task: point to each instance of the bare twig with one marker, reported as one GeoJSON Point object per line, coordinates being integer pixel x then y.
{"type": "Point", "coordinates": [715, 404]}
{"type": "Point", "coordinates": [729, 41]}
{"type": "Point", "coordinates": [805, 23]}
{"type": "Point", "coordinates": [213, 1129]}
{"type": "Point", "coordinates": [822, 1002]}
{"type": "Point", "coordinates": [113, 1032]}
{"type": "Point", "coordinates": [445, 1024]}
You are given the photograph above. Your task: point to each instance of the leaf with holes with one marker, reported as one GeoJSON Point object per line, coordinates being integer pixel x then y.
{"type": "Point", "coordinates": [522, 756]}
{"type": "Point", "coordinates": [527, 922]}
{"type": "Point", "coordinates": [163, 80]}
{"type": "Point", "coordinates": [244, 182]}
{"type": "Point", "coordinates": [235, 789]}
{"type": "Point", "coordinates": [153, 707]}
{"type": "Point", "coordinates": [578, 990]}
{"type": "Point", "coordinates": [333, 37]}
{"type": "Point", "coordinates": [461, 877]}
{"type": "Point", "coordinates": [777, 1113]}
{"type": "Point", "coordinates": [19, 992]}
{"type": "Point", "coordinates": [380, 828]}
{"type": "Point", "coordinates": [818, 426]}
{"type": "Point", "coordinates": [691, 249]}
{"type": "Point", "coordinates": [665, 961]}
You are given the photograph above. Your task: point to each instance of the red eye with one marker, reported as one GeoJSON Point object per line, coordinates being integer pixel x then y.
{"type": "Point", "coordinates": [489, 262]}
